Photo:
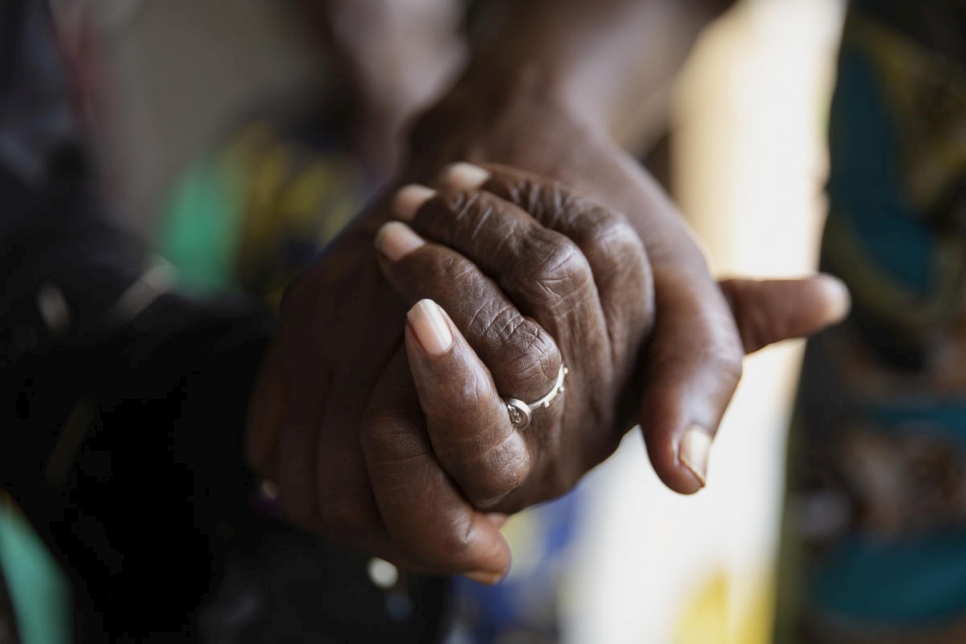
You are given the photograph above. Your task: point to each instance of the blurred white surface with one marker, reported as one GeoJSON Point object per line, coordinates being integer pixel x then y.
{"type": "Point", "coordinates": [749, 162]}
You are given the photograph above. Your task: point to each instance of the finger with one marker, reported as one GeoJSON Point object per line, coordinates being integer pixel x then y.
{"type": "Point", "coordinates": [542, 271]}
{"type": "Point", "coordinates": [265, 414]}
{"type": "Point", "coordinates": [621, 270]}
{"type": "Point", "coordinates": [347, 510]}
{"type": "Point", "coordinates": [522, 356]}
{"type": "Point", "coordinates": [616, 256]}
{"type": "Point", "coordinates": [691, 365]}
{"type": "Point", "coordinates": [324, 484]}
{"type": "Point", "coordinates": [298, 440]}
{"type": "Point", "coordinates": [467, 420]}
{"type": "Point", "coordinates": [773, 310]}
{"type": "Point", "coordinates": [692, 361]}
{"type": "Point", "coordinates": [420, 507]}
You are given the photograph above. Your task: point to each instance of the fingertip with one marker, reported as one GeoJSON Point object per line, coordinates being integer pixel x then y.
{"type": "Point", "coordinates": [677, 446]}
{"type": "Point", "coordinates": [676, 473]}
{"type": "Point", "coordinates": [837, 295]}
{"type": "Point", "coordinates": [409, 199]}
{"type": "Point", "coordinates": [492, 552]}
{"type": "Point", "coordinates": [464, 176]}
{"type": "Point", "coordinates": [396, 240]}
{"type": "Point", "coordinates": [485, 578]}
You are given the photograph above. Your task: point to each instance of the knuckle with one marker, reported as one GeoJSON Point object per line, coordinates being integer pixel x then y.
{"type": "Point", "coordinates": [466, 400]}
{"type": "Point", "coordinates": [487, 473]}
{"type": "Point", "coordinates": [447, 270]}
{"type": "Point", "coordinates": [464, 204]}
{"type": "Point", "coordinates": [527, 350]}
{"type": "Point", "coordinates": [758, 324]}
{"type": "Point", "coordinates": [755, 327]}
{"type": "Point", "coordinates": [617, 241]}
{"type": "Point", "coordinates": [725, 362]}
{"type": "Point", "coordinates": [522, 191]}
{"type": "Point", "coordinates": [558, 270]}
{"type": "Point", "coordinates": [504, 467]}
{"type": "Point", "coordinates": [537, 358]}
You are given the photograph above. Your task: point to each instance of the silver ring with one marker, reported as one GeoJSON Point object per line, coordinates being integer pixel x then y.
{"type": "Point", "coordinates": [521, 413]}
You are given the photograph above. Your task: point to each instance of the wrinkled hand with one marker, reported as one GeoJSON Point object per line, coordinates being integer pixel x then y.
{"type": "Point", "coordinates": [338, 349]}
{"type": "Point", "coordinates": [692, 361]}
{"type": "Point", "coordinates": [533, 278]}
{"type": "Point", "coordinates": [489, 256]}
{"type": "Point", "coordinates": [336, 419]}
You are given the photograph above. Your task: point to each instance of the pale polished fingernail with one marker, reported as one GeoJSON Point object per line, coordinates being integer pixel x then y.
{"type": "Point", "coordinates": [693, 453]}
{"type": "Point", "coordinates": [410, 199]}
{"type": "Point", "coordinates": [396, 240]}
{"type": "Point", "coordinates": [487, 578]}
{"type": "Point", "coordinates": [464, 176]}
{"type": "Point", "coordinates": [840, 300]}
{"type": "Point", "coordinates": [430, 327]}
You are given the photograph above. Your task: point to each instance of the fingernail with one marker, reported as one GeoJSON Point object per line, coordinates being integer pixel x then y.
{"type": "Point", "coordinates": [410, 199]}
{"type": "Point", "coordinates": [430, 327]}
{"type": "Point", "coordinates": [464, 176]}
{"type": "Point", "coordinates": [497, 519]}
{"type": "Point", "coordinates": [486, 578]}
{"type": "Point", "coordinates": [693, 453]}
{"type": "Point", "coordinates": [396, 240]}
{"type": "Point", "coordinates": [840, 300]}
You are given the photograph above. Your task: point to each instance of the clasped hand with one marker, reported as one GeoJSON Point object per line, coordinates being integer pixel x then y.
{"type": "Point", "coordinates": [388, 431]}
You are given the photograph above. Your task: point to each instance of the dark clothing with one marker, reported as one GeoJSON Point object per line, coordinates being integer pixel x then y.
{"type": "Point", "coordinates": [121, 434]}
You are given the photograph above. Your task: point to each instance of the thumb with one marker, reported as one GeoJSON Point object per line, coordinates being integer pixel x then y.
{"type": "Point", "coordinates": [694, 361]}
{"type": "Point", "coordinates": [769, 311]}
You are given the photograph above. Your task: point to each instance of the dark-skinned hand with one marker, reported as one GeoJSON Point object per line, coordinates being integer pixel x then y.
{"type": "Point", "coordinates": [693, 358]}
{"type": "Point", "coordinates": [335, 417]}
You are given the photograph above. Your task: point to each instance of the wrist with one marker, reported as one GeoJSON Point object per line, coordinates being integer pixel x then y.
{"type": "Point", "coordinates": [514, 84]}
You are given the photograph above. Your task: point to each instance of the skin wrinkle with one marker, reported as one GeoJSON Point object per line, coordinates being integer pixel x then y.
{"type": "Point", "coordinates": [512, 466]}
{"type": "Point", "coordinates": [589, 239]}
{"type": "Point", "coordinates": [512, 323]}
{"type": "Point", "coordinates": [482, 219]}
{"type": "Point", "coordinates": [529, 335]}
{"type": "Point", "coordinates": [478, 321]}
{"type": "Point", "coordinates": [522, 361]}
{"type": "Point", "coordinates": [754, 334]}
{"type": "Point", "coordinates": [461, 205]}
{"type": "Point", "coordinates": [456, 544]}
{"type": "Point", "coordinates": [551, 264]}
{"type": "Point", "coordinates": [618, 271]}
{"type": "Point", "coordinates": [549, 365]}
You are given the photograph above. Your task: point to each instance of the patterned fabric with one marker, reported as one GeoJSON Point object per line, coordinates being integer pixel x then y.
{"type": "Point", "coordinates": [875, 526]}
{"type": "Point", "coordinates": [258, 211]}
